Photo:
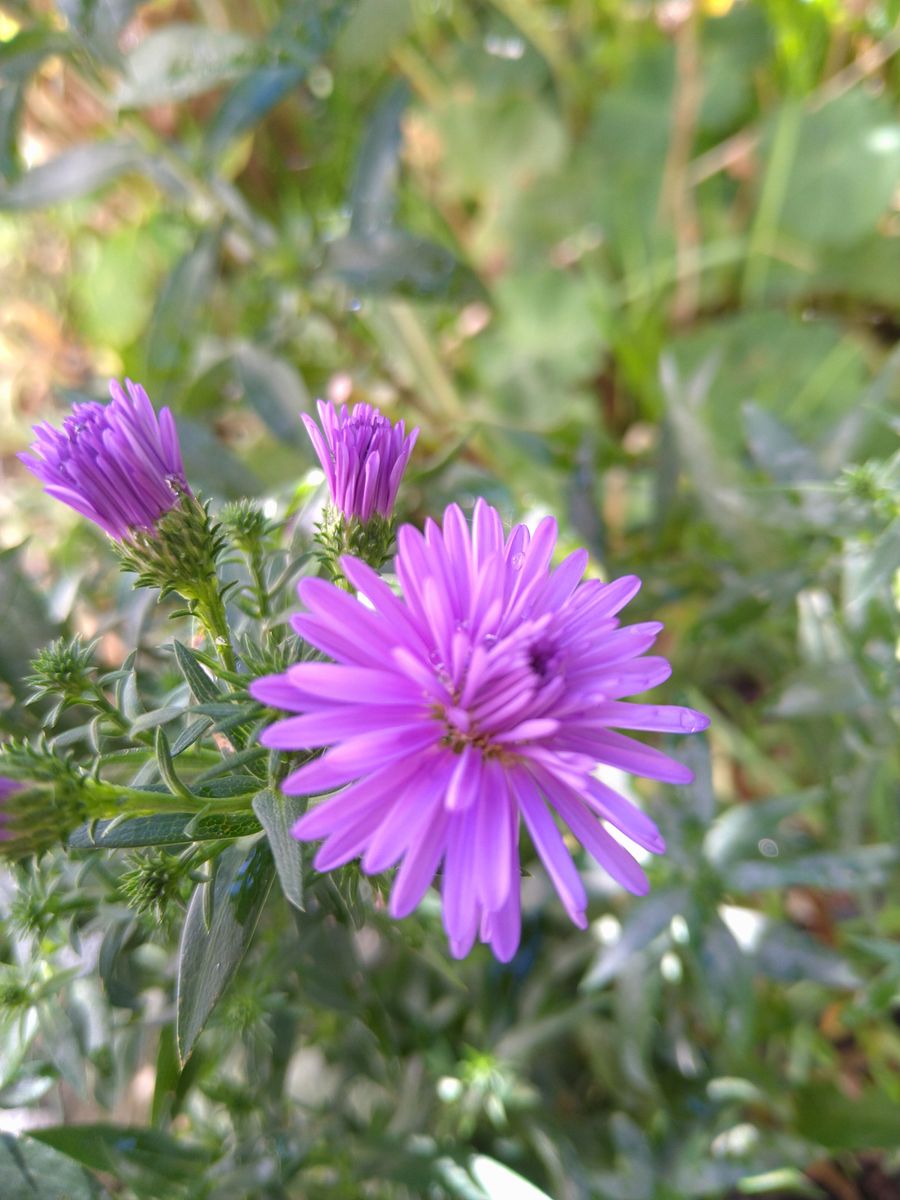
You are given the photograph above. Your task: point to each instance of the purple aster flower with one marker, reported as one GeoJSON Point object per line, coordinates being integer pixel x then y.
{"type": "Point", "coordinates": [486, 695]}
{"type": "Point", "coordinates": [118, 464]}
{"type": "Point", "coordinates": [363, 456]}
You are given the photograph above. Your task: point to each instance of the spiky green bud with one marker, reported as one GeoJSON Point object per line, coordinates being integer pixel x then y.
{"type": "Point", "coordinates": [63, 671]}
{"type": "Point", "coordinates": [372, 540]}
{"type": "Point", "coordinates": [247, 525]}
{"type": "Point", "coordinates": [153, 883]}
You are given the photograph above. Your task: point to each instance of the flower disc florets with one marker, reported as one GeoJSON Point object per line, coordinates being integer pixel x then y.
{"type": "Point", "coordinates": [118, 464]}
{"type": "Point", "coordinates": [363, 456]}
{"type": "Point", "coordinates": [488, 691]}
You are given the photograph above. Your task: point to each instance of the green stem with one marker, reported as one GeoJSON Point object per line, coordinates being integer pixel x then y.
{"type": "Point", "coordinates": [211, 611]}
{"type": "Point", "coordinates": [134, 802]}
{"type": "Point", "coordinates": [259, 584]}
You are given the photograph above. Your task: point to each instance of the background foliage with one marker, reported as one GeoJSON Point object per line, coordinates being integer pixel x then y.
{"type": "Point", "coordinates": [636, 264]}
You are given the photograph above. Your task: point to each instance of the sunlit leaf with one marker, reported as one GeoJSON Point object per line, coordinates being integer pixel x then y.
{"type": "Point", "coordinates": [180, 60]}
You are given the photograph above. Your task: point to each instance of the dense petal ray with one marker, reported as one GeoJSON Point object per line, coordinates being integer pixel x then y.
{"type": "Point", "coordinates": [488, 691]}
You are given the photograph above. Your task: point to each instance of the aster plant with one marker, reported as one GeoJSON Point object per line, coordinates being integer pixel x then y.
{"type": "Point", "coordinates": [432, 719]}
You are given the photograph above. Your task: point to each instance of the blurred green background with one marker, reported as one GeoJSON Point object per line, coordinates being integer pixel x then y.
{"type": "Point", "coordinates": [637, 264]}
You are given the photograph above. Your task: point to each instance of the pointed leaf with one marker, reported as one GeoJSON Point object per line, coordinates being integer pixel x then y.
{"type": "Point", "coordinates": [205, 689]}
{"type": "Point", "coordinates": [32, 1171]}
{"type": "Point", "coordinates": [277, 815]}
{"type": "Point", "coordinates": [209, 958]}
{"type": "Point", "coordinates": [163, 829]}
{"type": "Point", "coordinates": [181, 60]}
{"type": "Point", "coordinates": [73, 173]}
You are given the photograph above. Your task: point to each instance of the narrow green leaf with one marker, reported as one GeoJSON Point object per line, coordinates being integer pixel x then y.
{"type": "Point", "coordinates": [208, 960]}
{"type": "Point", "coordinates": [646, 920]}
{"type": "Point", "coordinates": [391, 260]}
{"type": "Point", "coordinates": [182, 297]}
{"type": "Point", "coordinates": [98, 22]}
{"type": "Point", "coordinates": [180, 60]}
{"type": "Point", "coordinates": [739, 829]}
{"type": "Point", "coordinates": [167, 768]}
{"type": "Point", "coordinates": [205, 689]}
{"type": "Point", "coordinates": [373, 199]}
{"type": "Point", "coordinates": [248, 102]}
{"type": "Point", "coordinates": [277, 815]}
{"type": "Point", "coordinates": [102, 1147]}
{"type": "Point", "coordinates": [127, 700]}
{"type": "Point", "coordinates": [866, 866]}
{"type": "Point", "coordinates": [157, 716]}
{"type": "Point", "coordinates": [163, 829]}
{"type": "Point", "coordinates": [192, 733]}
{"type": "Point", "coordinates": [71, 174]}
{"type": "Point", "coordinates": [500, 1183]}
{"type": "Point", "coordinates": [275, 388]}
{"type": "Point", "coordinates": [30, 1170]}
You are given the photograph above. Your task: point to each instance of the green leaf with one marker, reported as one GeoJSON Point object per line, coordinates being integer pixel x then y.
{"type": "Point", "coordinates": [373, 198]}
{"type": "Point", "coordinates": [277, 815]}
{"type": "Point", "coordinates": [190, 734]}
{"type": "Point", "coordinates": [181, 299]}
{"type": "Point", "coordinates": [845, 170]}
{"type": "Point", "coordinates": [867, 866]}
{"type": "Point", "coordinates": [826, 1117]}
{"type": "Point", "coordinates": [163, 829]}
{"type": "Point", "coordinates": [275, 389]}
{"type": "Point", "coordinates": [156, 717]}
{"type": "Point", "coordinates": [802, 371]}
{"type": "Point", "coordinates": [71, 174]}
{"type": "Point", "coordinates": [210, 465]}
{"type": "Point", "coordinates": [209, 958]}
{"type": "Point", "coordinates": [103, 1147]}
{"type": "Point", "coordinates": [30, 1170]}
{"type": "Point", "coordinates": [790, 955]}
{"type": "Point", "coordinates": [248, 102]}
{"type": "Point", "coordinates": [740, 828]}
{"type": "Point", "coordinates": [24, 620]}
{"type": "Point", "coordinates": [166, 767]}
{"type": "Point", "coordinates": [204, 688]}
{"type": "Point", "coordinates": [98, 22]}
{"type": "Point", "coordinates": [182, 60]}
{"type": "Point", "coordinates": [500, 1183]}
{"type": "Point", "coordinates": [18, 1028]}
{"type": "Point", "coordinates": [398, 262]}
{"type": "Point", "coordinates": [645, 921]}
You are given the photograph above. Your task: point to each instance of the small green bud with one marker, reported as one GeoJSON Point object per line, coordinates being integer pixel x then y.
{"type": "Point", "coordinates": [63, 670]}
{"type": "Point", "coordinates": [153, 883]}
{"type": "Point", "coordinates": [180, 554]}
{"type": "Point", "coordinates": [247, 525]}
{"type": "Point", "coordinates": [43, 798]}
{"type": "Point", "coordinates": [372, 541]}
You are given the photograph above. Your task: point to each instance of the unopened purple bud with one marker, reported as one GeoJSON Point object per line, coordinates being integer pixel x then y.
{"type": "Point", "coordinates": [118, 464]}
{"type": "Point", "coordinates": [363, 456]}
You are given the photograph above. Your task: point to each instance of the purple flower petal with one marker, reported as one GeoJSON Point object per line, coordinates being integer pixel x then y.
{"type": "Point", "coordinates": [488, 690]}
{"type": "Point", "coordinates": [117, 464]}
{"type": "Point", "coordinates": [363, 456]}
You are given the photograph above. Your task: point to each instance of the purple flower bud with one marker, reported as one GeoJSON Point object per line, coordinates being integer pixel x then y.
{"type": "Point", "coordinates": [363, 456]}
{"type": "Point", "coordinates": [118, 464]}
